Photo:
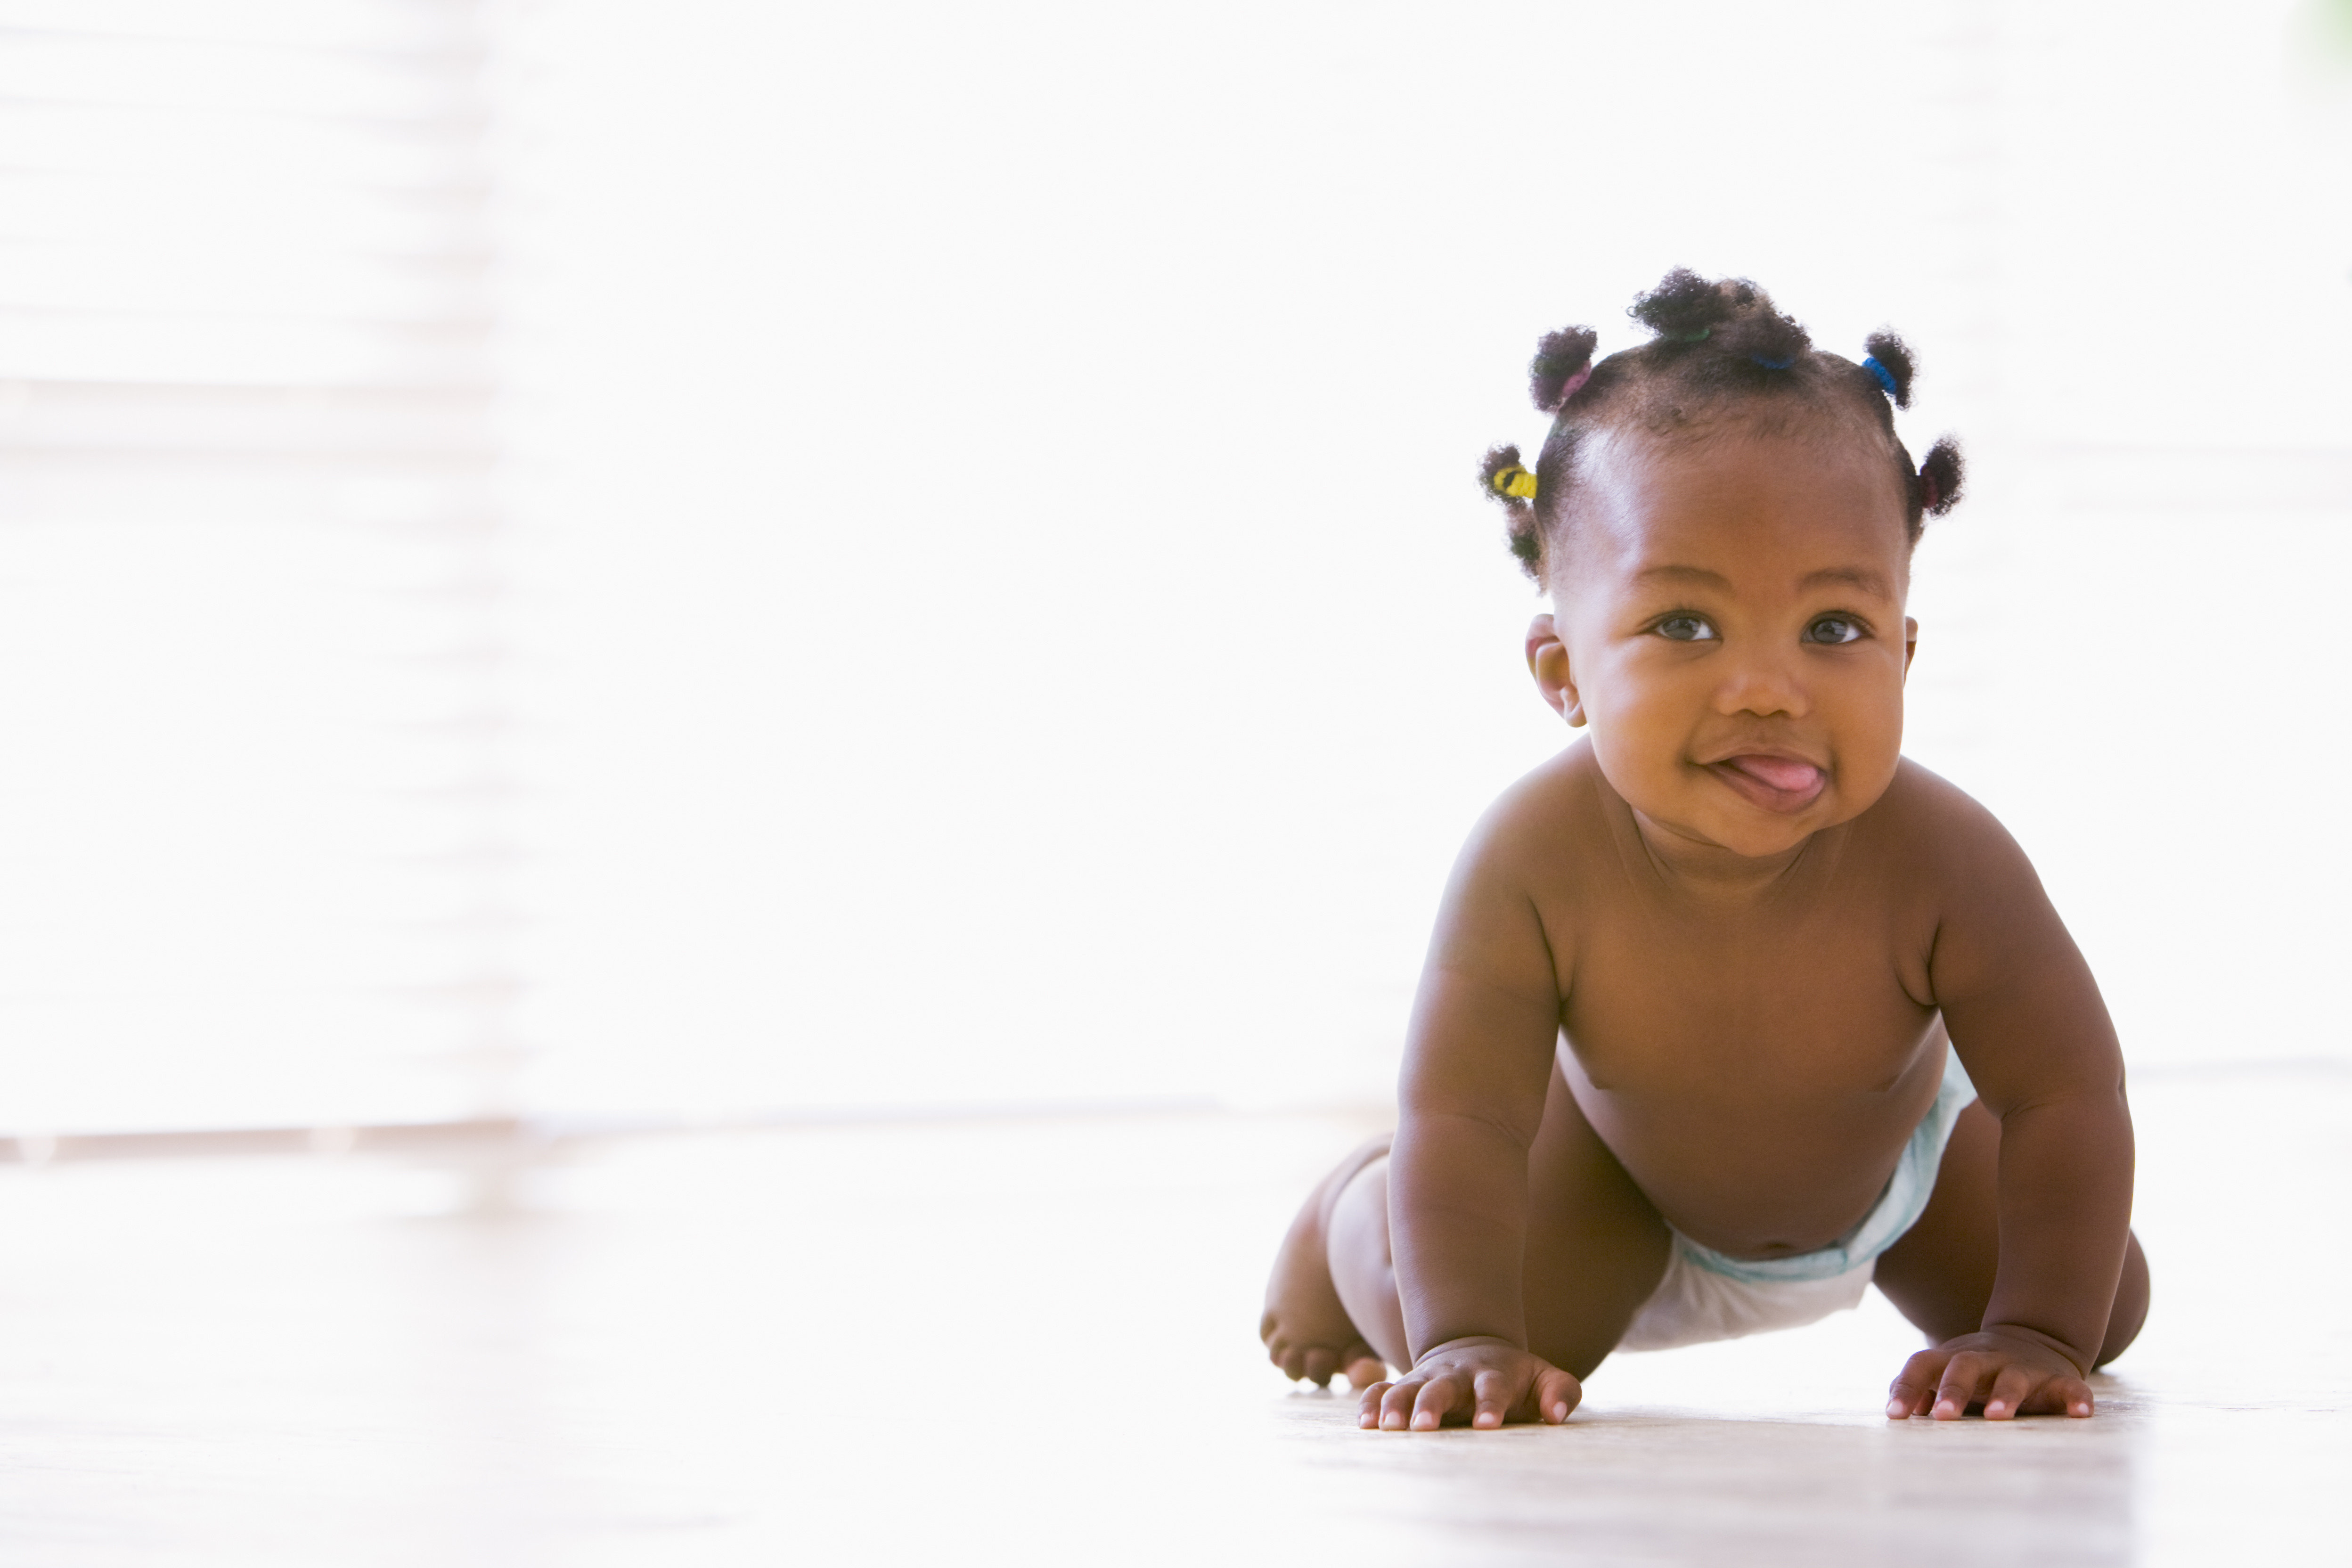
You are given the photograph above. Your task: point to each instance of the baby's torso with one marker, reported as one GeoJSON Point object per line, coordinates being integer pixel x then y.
{"type": "Point", "coordinates": [1755, 1064]}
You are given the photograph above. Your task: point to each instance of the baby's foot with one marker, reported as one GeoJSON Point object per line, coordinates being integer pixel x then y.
{"type": "Point", "coordinates": [1307, 1331]}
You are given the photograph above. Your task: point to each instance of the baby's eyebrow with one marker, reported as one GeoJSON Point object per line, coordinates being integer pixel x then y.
{"type": "Point", "coordinates": [1684, 575]}
{"type": "Point", "coordinates": [1859, 577]}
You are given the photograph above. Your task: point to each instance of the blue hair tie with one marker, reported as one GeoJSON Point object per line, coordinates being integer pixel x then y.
{"type": "Point", "coordinates": [1886, 376]}
{"type": "Point", "coordinates": [1777, 363]}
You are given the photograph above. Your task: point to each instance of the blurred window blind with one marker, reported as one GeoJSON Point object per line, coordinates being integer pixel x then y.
{"type": "Point", "coordinates": [251, 793]}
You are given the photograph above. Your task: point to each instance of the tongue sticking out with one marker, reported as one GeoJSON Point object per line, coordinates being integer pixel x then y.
{"type": "Point", "coordinates": [1781, 773]}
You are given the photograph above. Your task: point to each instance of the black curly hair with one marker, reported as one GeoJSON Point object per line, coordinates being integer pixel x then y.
{"type": "Point", "coordinates": [1720, 348]}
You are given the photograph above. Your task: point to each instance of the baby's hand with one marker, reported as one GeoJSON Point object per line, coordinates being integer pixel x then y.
{"type": "Point", "coordinates": [1483, 1380]}
{"type": "Point", "coordinates": [2011, 1372]}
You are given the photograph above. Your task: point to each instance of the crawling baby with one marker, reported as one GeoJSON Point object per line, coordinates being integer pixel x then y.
{"type": "Point", "coordinates": [1730, 1010]}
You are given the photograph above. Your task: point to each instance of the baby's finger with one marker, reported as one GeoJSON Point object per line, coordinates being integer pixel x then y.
{"type": "Point", "coordinates": [2062, 1396]}
{"type": "Point", "coordinates": [1556, 1394]}
{"type": "Point", "coordinates": [2009, 1390]}
{"type": "Point", "coordinates": [1396, 1404]}
{"type": "Point", "coordinates": [1368, 1403]}
{"type": "Point", "coordinates": [1492, 1397]}
{"type": "Point", "coordinates": [1438, 1395]}
{"type": "Point", "coordinates": [1915, 1386]}
{"type": "Point", "coordinates": [1962, 1384]}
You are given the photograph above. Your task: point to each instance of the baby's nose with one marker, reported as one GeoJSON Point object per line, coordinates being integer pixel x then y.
{"type": "Point", "coordinates": [1763, 683]}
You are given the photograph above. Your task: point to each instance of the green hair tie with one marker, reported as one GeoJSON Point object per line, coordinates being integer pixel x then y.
{"type": "Point", "coordinates": [1699, 336]}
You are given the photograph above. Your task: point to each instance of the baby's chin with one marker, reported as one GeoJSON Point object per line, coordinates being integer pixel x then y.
{"type": "Point", "coordinates": [1739, 833]}
{"type": "Point", "coordinates": [1707, 811]}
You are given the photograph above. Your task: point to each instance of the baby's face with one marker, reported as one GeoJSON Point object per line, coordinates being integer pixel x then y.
{"type": "Point", "coordinates": [1731, 626]}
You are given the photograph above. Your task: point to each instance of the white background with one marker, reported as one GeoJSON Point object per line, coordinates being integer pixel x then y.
{"type": "Point", "coordinates": [1027, 628]}
{"type": "Point", "coordinates": [990, 603]}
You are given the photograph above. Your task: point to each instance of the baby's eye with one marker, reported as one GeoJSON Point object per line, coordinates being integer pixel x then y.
{"type": "Point", "coordinates": [1685, 628]}
{"type": "Point", "coordinates": [1834, 629]}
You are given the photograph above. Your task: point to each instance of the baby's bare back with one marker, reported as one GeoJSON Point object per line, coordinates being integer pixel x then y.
{"type": "Point", "coordinates": [1757, 1059]}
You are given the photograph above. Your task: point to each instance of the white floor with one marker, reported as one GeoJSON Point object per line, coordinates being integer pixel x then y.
{"type": "Point", "coordinates": [1034, 1342]}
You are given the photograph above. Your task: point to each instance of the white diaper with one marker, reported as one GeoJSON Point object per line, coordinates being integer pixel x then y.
{"type": "Point", "coordinates": [1707, 1296]}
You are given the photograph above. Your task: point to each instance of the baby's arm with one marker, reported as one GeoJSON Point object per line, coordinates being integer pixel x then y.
{"type": "Point", "coordinates": [1478, 1060]}
{"type": "Point", "coordinates": [2028, 1021]}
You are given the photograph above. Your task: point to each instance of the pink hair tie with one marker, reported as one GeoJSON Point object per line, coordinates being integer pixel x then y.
{"type": "Point", "coordinates": [1574, 384]}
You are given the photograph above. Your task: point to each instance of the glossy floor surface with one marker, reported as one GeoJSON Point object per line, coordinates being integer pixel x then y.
{"type": "Point", "coordinates": [1033, 1342]}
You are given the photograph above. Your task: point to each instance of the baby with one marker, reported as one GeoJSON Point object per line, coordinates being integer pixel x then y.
{"type": "Point", "coordinates": [1730, 1010]}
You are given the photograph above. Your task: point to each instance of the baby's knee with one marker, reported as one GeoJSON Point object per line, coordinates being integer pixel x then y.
{"type": "Point", "coordinates": [2130, 1310]}
{"type": "Point", "coordinates": [1358, 1229]}
{"type": "Point", "coordinates": [1363, 1271]}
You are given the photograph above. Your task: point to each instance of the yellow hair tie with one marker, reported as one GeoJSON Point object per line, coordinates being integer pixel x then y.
{"type": "Point", "coordinates": [1515, 482]}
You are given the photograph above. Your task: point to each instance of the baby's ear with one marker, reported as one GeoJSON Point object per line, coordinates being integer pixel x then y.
{"type": "Point", "coordinates": [1548, 662]}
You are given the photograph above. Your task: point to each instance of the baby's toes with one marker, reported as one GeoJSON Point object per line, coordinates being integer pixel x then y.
{"type": "Point", "coordinates": [1321, 1361]}
{"type": "Point", "coordinates": [1364, 1369]}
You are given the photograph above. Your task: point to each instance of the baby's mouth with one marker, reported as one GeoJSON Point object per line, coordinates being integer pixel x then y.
{"type": "Point", "coordinates": [1776, 783]}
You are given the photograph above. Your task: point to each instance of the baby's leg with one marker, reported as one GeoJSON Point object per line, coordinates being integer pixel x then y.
{"type": "Point", "coordinates": [1595, 1251]}
{"type": "Point", "coordinates": [1305, 1329]}
{"type": "Point", "coordinates": [1940, 1274]}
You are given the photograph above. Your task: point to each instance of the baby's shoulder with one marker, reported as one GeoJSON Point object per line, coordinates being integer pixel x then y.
{"type": "Point", "coordinates": [1549, 819]}
{"type": "Point", "coordinates": [1936, 830]}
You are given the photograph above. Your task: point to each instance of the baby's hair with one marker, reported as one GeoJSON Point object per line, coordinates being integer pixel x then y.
{"type": "Point", "coordinates": [1560, 357]}
{"type": "Point", "coordinates": [1720, 348]}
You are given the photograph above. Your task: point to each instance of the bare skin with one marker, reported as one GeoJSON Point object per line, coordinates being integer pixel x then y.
{"type": "Point", "coordinates": [1698, 971]}
{"type": "Point", "coordinates": [1306, 1328]}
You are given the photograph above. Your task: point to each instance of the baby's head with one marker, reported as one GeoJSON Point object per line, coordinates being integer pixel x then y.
{"type": "Point", "coordinates": [1724, 520]}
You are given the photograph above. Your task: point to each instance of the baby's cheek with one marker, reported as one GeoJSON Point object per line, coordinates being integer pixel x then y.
{"type": "Point", "coordinates": [1639, 759]}
{"type": "Point", "coordinates": [1869, 748]}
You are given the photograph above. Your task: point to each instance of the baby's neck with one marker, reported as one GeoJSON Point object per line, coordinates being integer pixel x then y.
{"type": "Point", "coordinates": [1710, 870]}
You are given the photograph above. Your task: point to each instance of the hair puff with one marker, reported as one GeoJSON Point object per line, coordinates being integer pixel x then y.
{"type": "Point", "coordinates": [1684, 307]}
{"type": "Point", "coordinates": [1896, 355]}
{"type": "Point", "coordinates": [1558, 356]}
{"type": "Point", "coordinates": [1525, 533]}
{"type": "Point", "coordinates": [1940, 476]}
